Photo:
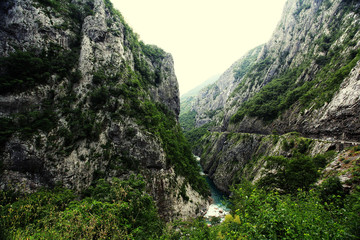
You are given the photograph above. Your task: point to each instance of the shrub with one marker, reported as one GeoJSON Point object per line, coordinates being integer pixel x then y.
{"type": "Point", "coordinates": [289, 174]}
{"type": "Point", "coordinates": [99, 97]}
{"type": "Point", "coordinates": [269, 215]}
{"type": "Point", "coordinates": [332, 192]}
{"type": "Point", "coordinates": [23, 70]}
{"type": "Point", "coordinates": [99, 77]}
{"type": "Point", "coordinates": [285, 89]}
{"type": "Point", "coordinates": [111, 210]}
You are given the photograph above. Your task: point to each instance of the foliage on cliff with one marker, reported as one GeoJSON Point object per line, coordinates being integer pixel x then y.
{"type": "Point", "coordinates": [284, 91]}
{"type": "Point", "coordinates": [312, 81]}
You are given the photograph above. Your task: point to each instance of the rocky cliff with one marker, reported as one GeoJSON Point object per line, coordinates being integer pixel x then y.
{"type": "Point", "coordinates": [212, 99]}
{"type": "Point", "coordinates": [311, 57]}
{"type": "Point", "coordinates": [315, 53]}
{"type": "Point", "coordinates": [82, 99]}
{"type": "Point", "coordinates": [305, 80]}
{"type": "Point", "coordinates": [228, 158]}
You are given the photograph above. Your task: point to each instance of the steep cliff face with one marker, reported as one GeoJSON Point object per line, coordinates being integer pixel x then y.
{"type": "Point", "coordinates": [305, 79]}
{"type": "Point", "coordinates": [212, 99]}
{"type": "Point", "coordinates": [82, 98]}
{"type": "Point", "coordinates": [315, 52]}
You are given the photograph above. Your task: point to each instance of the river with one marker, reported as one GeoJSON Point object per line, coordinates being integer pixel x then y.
{"type": "Point", "coordinates": [217, 208]}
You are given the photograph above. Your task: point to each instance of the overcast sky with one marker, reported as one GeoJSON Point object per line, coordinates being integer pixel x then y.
{"type": "Point", "coordinates": [204, 36]}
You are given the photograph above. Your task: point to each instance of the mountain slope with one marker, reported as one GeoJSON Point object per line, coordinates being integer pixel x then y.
{"type": "Point", "coordinates": [82, 99]}
{"type": "Point", "coordinates": [305, 80]}
{"type": "Point", "coordinates": [186, 100]}
{"type": "Point", "coordinates": [200, 113]}
{"type": "Point", "coordinates": [314, 49]}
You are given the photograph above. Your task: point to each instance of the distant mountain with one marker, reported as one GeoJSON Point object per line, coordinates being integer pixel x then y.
{"type": "Point", "coordinates": [186, 100]}
{"type": "Point", "coordinates": [197, 89]}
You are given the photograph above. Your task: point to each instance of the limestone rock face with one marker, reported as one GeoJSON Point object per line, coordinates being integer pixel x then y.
{"type": "Point", "coordinates": [167, 91]}
{"type": "Point", "coordinates": [225, 157]}
{"type": "Point", "coordinates": [212, 99]}
{"type": "Point", "coordinates": [339, 117]}
{"type": "Point", "coordinates": [93, 110]}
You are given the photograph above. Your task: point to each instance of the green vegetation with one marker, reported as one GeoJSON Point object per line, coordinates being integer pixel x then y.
{"type": "Point", "coordinates": [285, 203]}
{"type": "Point", "coordinates": [257, 214]}
{"type": "Point", "coordinates": [82, 124]}
{"type": "Point", "coordinates": [178, 152]}
{"type": "Point", "coordinates": [121, 209]}
{"type": "Point", "coordinates": [28, 123]}
{"type": "Point", "coordinates": [326, 89]}
{"type": "Point", "coordinates": [273, 98]}
{"type": "Point", "coordinates": [21, 71]}
{"type": "Point", "coordinates": [301, 215]}
{"type": "Point", "coordinates": [301, 7]}
{"type": "Point", "coordinates": [139, 49]}
{"type": "Point", "coordinates": [291, 174]}
{"type": "Point", "coordinates": [242, 69]}
{"type": "Point", "coordinates": [194, 135]}
{"type": "Point", "coordinates": [332, 192]}
{"type": "Point", "coordinates": [155, 118]}
{"type": "Point", "coordinates": [115, 210]}
{"type": "Point", "coordinates": [72, 12]}
{"type": "Point", "coordinates": [187, 117]}
{"type": "Point", "coordinates": [186, 105]}
{"type": "Point", "coordinates": [187, 120]}
{"type": "Point", "coordinates": [153, 52]}
{"type": "Point", "coordinates": [156, 55]}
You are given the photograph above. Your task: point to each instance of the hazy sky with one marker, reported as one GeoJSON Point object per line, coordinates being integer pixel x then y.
{"type": "Point", "coordinates": [204, 36]}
